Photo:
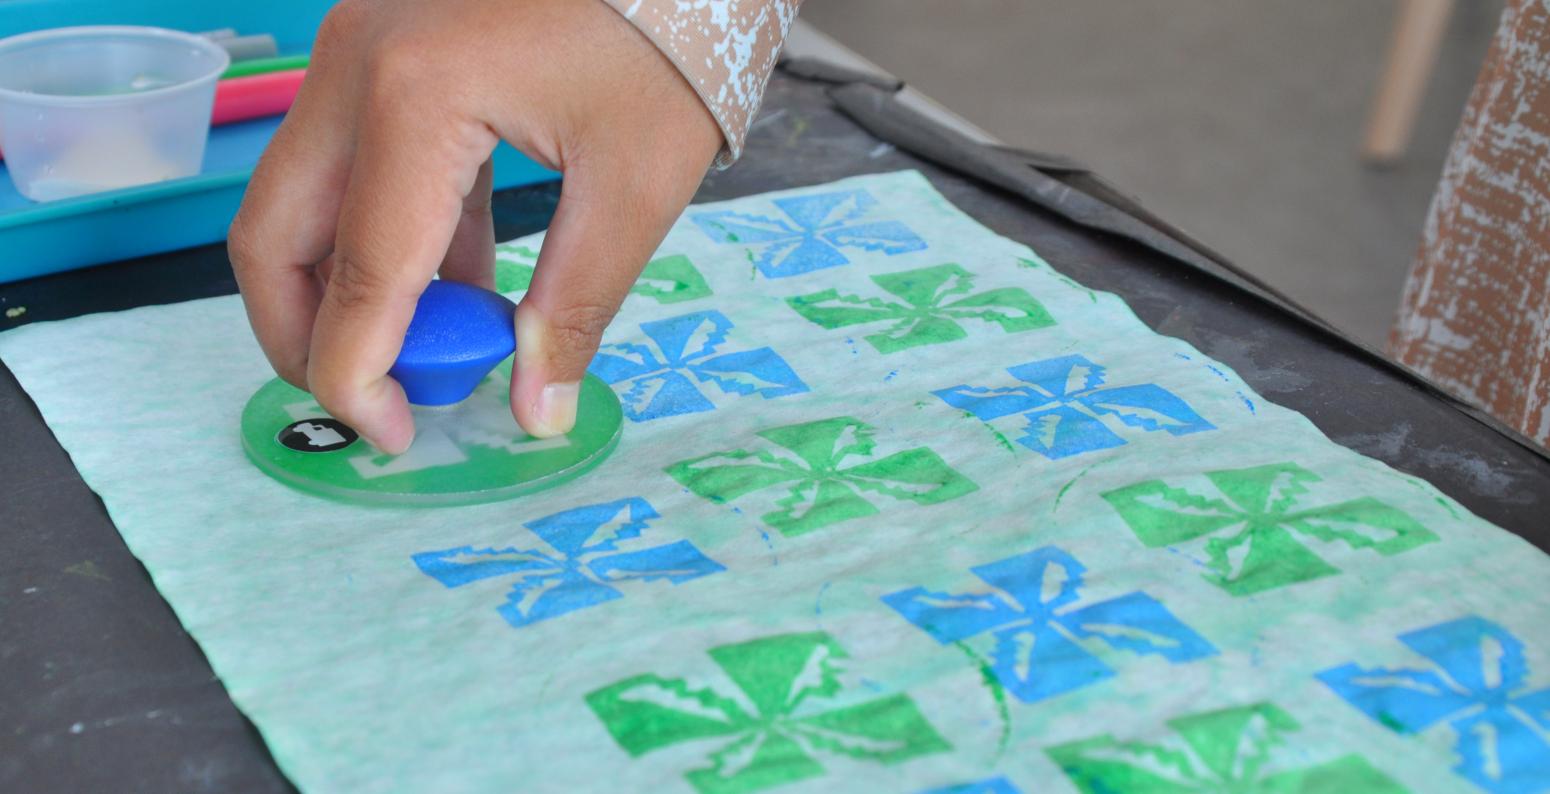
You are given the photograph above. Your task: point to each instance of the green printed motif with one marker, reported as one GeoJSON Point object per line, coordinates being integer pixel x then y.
{"type": "Point", "coordinates": [671, 279]}
{"type": "Point", "coordinates": [668, 279]}
{"type": "Point", "coordinates": [1242, 750]}
{"type": "Point", "coordinates": [1273, 513]}
{"type": "Point", "coordinates": [807, 459]}
{"type": "Point", "coordinates": [927, 314]}
{"type": "Point", "coordinates": [769, 732]}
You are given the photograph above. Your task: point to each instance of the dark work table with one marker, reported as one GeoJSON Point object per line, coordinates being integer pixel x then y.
{"type": "Point", "coordinates": [102, 690]}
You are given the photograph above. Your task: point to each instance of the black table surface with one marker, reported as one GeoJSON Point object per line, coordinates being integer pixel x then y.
{"type": "Point", "coordinates": [102, 690]}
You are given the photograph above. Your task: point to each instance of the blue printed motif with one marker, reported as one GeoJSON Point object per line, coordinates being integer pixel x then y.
{"type": "Point", "coordinates": [658, 372]}
{"type": "Point", "coordinates": [1069, 411]}
{"type": "Point", "coordinates": [1039, 632]}
{"type": "Point", "coordinates": [590, 551]}
{"type": "Point", "coordinates": [819, 226]}
{"type": "Point", "coordinates": [990, 785]}
{"type": "Point", "coordinates": [1477, 681]}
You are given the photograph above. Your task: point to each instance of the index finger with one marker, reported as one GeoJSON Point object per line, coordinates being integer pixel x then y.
{"type": "Point", "coordinates": [399, 213]}
{"type": "Point", "coordinates": [286, 224]}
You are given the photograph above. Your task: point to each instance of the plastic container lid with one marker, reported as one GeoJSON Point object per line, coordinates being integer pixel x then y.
{"type": "Point", "coordinates": [86, 109]}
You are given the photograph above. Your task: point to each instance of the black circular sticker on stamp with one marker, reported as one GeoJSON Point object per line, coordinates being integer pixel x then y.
{"type": "Point", "coordinates": [317, 435]}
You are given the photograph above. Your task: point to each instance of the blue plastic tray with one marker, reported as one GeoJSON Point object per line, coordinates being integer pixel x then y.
{"type": "Point", "coordinates": [41, 238]}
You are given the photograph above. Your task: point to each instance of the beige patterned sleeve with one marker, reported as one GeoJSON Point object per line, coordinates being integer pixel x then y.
{"type": "Point", "coordinates": [1475, 316]}
{"type": "Point", "coordinates": [725, 48]}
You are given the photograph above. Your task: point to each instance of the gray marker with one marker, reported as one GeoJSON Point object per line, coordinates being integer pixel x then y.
{"type": "Point", "coordinates": [247, 48]}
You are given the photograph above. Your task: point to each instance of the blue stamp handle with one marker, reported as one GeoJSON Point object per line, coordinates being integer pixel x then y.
{"type": "Point", "coordinates": [459, 333]}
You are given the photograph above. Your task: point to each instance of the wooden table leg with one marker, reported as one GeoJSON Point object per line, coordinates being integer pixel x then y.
{"type": "Point", "coordinates": [1412, 53]}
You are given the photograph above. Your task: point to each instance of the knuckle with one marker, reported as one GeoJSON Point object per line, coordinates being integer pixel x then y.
{"type": "Point", "coordinates": [332, 388]}
{"type": "Point", "coordinates": [576, 329]}
{"type": "Point", "coordinates": [352, 285]}
{"type": "Point", "coordinates": [477, 204]}
{"type": "Point", "coordinates": [333, 394]}
{"type": "Point", "coordinates": [397, 65]}
{"type": "Point", "coordinates": [292, 368]}
{"type": "Point", "coordinates": [241, 245]}
{"type": "Point", "coordinates": [341, 22]}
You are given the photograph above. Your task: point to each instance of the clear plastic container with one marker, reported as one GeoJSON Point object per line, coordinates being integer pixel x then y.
{"type": "Point", "coordinates": [96, 108]}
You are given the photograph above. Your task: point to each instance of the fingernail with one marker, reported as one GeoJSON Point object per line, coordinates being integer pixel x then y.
{"type": "Point", "coordinates": [555, 411]}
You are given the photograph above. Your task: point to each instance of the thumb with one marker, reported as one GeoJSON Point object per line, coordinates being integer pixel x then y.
{"type": "Point", "coordinates": [609, 221]}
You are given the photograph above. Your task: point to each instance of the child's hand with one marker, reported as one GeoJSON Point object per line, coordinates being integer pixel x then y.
{"type": "Point", "coordinates": [379, 178]}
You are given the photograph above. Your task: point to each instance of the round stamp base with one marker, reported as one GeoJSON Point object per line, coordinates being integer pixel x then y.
{"type": "Point", "coordinates": [467, 453]}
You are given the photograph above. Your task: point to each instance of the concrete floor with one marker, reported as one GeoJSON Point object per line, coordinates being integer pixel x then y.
{"type": "Point", "coordinates": [1237, 121]}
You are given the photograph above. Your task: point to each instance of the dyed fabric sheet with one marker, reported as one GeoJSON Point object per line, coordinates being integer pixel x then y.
{"type": "Point", "coordinates": [897, 508]}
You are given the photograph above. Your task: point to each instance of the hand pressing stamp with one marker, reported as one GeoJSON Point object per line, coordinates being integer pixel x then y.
{"type": "Point", "coordinates": [455, 368]}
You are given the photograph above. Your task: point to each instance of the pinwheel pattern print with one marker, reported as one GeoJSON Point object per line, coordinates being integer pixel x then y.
{"type": "Point", "coordinates": [587, 555]}
{"type": "Point", "coordinates": [828, 472]}
{"type": "Point", "coordinates": [1037, 614]}
{"type": "Point", "coordinates": [811, 234]}
{"type": "Point", "coordinates": [774, 724]}
{"type": "Point", "coordinates": [666, 279]}
{"type": "Point", "coordinates": [1066, 409]}
{"type": "Point", "coordinates": [1476, 679]}
{"type": "Point", "coordinates": [1241, 749]}
{"type": "Point", "coordinates": [932, 305]}
{"type": "Point", "coordinates": [1255, 522]}
{"type": "Point", "coordinates": [661, 375]}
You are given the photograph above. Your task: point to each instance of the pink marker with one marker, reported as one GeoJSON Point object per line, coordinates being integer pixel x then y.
{"type": "Point", "coordinates": [256, 96]}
